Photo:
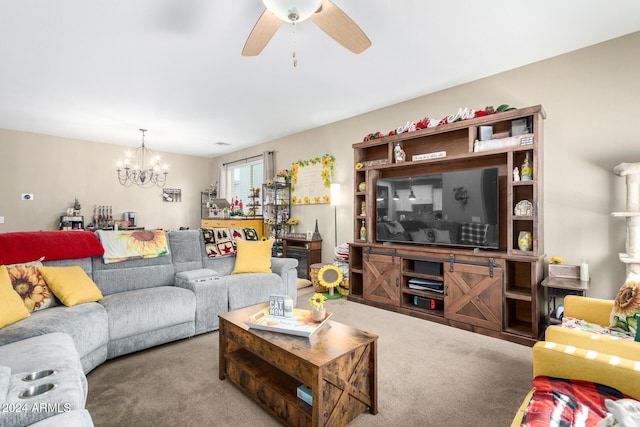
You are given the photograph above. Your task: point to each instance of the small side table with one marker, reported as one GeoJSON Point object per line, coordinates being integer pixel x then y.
{"type": "Point", "coordinates": [307, 252]}
{"type": "Point", "coordinates": [557, 287]}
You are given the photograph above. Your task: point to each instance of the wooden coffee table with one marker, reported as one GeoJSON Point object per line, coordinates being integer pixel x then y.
{"type": "Point", "coordinates": [338, 362]}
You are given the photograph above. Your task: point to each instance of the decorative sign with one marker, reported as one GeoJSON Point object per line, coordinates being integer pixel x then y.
{"type": "Point", "coordinates": [311, 180]}
{"type": "Point", "coordinates": [276, 305]}
{"type": "Point", "coordinates": [434, 155]}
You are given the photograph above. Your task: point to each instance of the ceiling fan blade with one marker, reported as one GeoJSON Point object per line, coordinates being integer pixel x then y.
{"type": "Point", "coordinates": [262, 32]}
{"type": "Point", "coordinates": [333, 21]}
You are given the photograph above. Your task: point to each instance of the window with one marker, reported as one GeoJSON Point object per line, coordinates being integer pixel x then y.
{"type": "Point", "coordinates": [242, 177]}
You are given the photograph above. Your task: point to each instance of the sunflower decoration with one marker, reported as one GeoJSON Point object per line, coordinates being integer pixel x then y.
{"type": "Point", "coordinates": [317, 301]}
{"type": "Point", "coordinates": [556, 260]}
{"type": "Point", "coordinates": [626, 307]}
{"type": "Point", "coordinates": [330, 276]}
{"type": "Point", "coordinates": [28, 283]}
{"type": "Point", "coordinates": [359, 166]}
{"type": "Point", "coordinates": [292, 221]}
{"type": "Point", "coordinates": [146, 242]}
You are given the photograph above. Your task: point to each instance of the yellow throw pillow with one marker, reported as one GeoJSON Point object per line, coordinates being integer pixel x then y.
{"type": "Point", "coordinates": [12, 308]}
{"type": "Point", "coordinates": [70, 284]}
{"type": "Point", "coordinates": [253, 256]}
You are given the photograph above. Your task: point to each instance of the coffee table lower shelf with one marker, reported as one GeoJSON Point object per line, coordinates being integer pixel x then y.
{"type": "Point", "coordinates": [274, 390]}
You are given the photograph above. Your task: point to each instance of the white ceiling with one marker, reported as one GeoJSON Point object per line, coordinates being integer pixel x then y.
{"type": "Point", "coordinates": [98, 70]}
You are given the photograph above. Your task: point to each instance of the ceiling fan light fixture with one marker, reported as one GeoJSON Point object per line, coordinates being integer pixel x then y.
{"type": "Point", "coordinates": [293, 10]}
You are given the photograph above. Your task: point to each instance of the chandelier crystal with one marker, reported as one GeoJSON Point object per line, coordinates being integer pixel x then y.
{"type": "Point", "coordinates": [145, 172]}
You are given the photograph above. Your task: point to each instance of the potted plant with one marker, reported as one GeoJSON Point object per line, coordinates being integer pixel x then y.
{"type": "Point", "coordinates": [292, 222]}
{"type": "Point", "coordinates": [318, 311]}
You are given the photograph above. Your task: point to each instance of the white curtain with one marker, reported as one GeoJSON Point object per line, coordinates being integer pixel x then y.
{"type": "Point", "coordinates": [267, 166]}
{"type": "Point", "coordinates": [222, 179]}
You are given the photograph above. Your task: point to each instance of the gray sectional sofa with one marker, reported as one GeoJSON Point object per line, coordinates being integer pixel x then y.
{"type": "Point", "coordinates": [146, 302]}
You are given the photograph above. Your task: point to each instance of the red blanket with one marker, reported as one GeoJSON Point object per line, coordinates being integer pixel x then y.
{"type": "Point", "coordinates": [52, 245]}
{"type": "Point", "coordinates": [567, 403]}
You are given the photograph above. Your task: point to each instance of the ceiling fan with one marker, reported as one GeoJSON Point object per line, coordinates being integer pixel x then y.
{"type": "Point", "coordinates": [326, 15]}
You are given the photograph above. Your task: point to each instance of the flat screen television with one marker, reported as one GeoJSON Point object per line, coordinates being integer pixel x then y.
{"type": "Point", "coordinates": [447, 209]}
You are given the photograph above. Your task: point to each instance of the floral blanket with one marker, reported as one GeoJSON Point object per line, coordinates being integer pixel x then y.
{"type": "Point", "coordinates": [125, 245]}
{"type": "Point", "coordinates": [567, 403]}
{"type": "Point", "coordinates": [573, 323]}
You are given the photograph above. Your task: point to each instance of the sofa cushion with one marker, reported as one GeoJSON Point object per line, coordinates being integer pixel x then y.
{"type": "Point", "coordinates": [12, 307]}
{"type": "Point", "coordinates": [29, 284]}
{"type": "Point", "coordinates": [186, 250]}
{"type": "Point", "coordinates": [252, 288]}
{"type": "Point", "coordinates": [70, 284]}
{"type": "Point", "coordinates": [253, 257]}
{"type": "Point", "coordinates": [626, 306]}
{"type": "Point", "coordinates": [143, 310]}
{"type": "Point", "coordinates": [133, 274]}
{"type": "Point", "coordinates": [86, 324]}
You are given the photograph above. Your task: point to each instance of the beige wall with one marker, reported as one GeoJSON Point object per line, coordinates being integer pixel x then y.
{"type": "Point", "coordinates": [57, 170]}
{"type": "Point", "coordinates": [590, 97]}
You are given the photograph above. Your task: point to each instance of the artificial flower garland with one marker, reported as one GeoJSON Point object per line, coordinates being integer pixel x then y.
{"type": "Point", "coordinates": [462, 114]}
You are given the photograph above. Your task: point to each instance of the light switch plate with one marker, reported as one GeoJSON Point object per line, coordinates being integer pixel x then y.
{"type": "Point", "coordinates": [1, 220]}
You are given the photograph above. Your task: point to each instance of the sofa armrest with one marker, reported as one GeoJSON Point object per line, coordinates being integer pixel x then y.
{"type": "Point", "coordinates": [561, 361]}
{"type": "Point", "coordinates": [626, 349]}
{"type": "Point", "coordinates": [286, 268]}
{"type": "Point", "coordinates": [592, 310]}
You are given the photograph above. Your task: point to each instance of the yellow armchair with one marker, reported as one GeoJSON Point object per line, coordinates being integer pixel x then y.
{"type": "Point", "coordinates": [579, 355]}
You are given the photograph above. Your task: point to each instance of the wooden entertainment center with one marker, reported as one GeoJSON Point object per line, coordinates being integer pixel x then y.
{"type": "Point", "coordinates": [495, 292]}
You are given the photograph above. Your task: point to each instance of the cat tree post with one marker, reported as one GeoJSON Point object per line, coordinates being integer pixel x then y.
{"type": "Point", "coordinates": [632, 215]}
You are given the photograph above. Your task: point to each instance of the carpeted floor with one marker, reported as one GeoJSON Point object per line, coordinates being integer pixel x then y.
{"type": "Point", "coordinates": [428, 375]}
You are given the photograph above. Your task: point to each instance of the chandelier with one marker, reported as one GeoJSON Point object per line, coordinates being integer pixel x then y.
{"type": "Point", "coordinates": [145, 172]}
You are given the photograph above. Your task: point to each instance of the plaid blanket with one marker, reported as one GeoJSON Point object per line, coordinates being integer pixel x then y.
{"type": "Point", "coordinates": [559, 402]}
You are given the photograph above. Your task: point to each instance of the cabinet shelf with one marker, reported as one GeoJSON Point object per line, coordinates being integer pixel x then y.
{"type": "Point", "coordinates": [426, 294]}
{"type": "Point", "coordinates": [411, 273]}
{"type": "Point", "coordinates": [517, 294]}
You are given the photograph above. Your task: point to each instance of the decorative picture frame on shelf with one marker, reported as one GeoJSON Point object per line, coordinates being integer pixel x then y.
{"type": "Point", "coordinates": [523, 208]}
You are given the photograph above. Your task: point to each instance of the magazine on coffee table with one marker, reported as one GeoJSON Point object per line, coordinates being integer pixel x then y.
{"type": "Point", "coordinates": [300, 324]}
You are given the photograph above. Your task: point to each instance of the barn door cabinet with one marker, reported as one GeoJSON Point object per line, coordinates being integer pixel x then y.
{"type": "Point", "coordinates": [496, 292]}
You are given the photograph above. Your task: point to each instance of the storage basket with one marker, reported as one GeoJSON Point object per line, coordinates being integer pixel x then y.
{"type": "Point", "coordinates": [315, 268]}
{"type": "Point", "coordinates": [343, 288]}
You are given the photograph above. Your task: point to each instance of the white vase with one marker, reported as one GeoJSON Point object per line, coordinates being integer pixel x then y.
{"type": "Point", "coordinates": [318, 315]}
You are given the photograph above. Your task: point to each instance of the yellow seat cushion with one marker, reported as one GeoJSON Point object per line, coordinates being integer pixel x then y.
{"type": "Point", "coordinates": [70, 284]}
{"type": "Point", "coordinates": [12, 308]}
{"type": "Point", "coordinates": [253, 256]}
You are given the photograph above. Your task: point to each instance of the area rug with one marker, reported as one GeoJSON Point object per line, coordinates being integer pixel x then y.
{"type": "Point", "coordinates": [428, 375]}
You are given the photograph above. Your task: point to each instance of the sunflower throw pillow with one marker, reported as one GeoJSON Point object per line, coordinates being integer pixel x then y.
{"type": "Point", "coordinates": [626, 306]}
{"type": "Point", "coordinates": [29, 284]}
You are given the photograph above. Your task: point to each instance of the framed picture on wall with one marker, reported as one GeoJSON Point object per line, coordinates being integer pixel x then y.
{"type": "Point", "coordinates": [311, 180]}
